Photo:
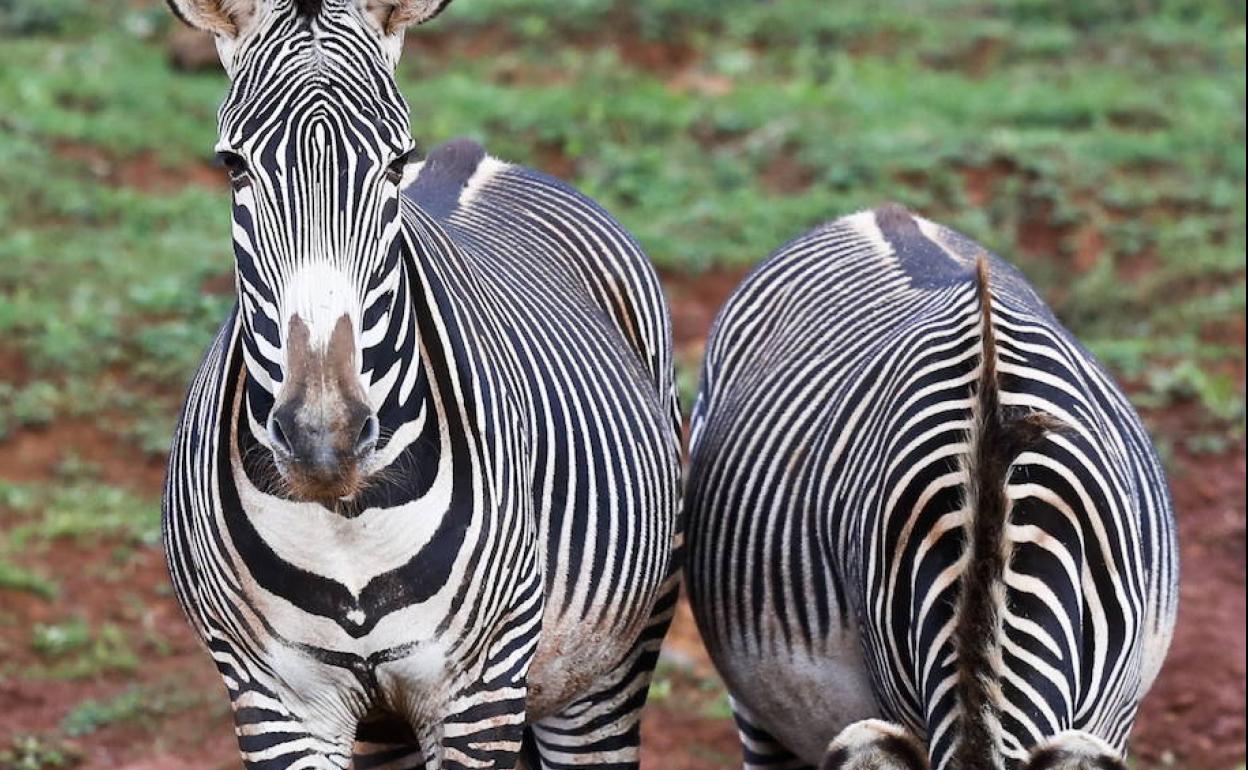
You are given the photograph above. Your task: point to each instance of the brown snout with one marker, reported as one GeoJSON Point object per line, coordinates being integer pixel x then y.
{"type": "Point", "coordinates": [321, 426]}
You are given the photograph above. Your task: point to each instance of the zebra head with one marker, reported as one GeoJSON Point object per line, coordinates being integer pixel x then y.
{"type": "Point", "coordinates": [315, 136]}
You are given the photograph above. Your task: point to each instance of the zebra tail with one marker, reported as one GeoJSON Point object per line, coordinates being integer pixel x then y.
{"type": "Point", "coordinates": [998, 437]}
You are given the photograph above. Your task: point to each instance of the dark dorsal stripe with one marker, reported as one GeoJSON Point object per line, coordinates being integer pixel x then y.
{"type": "Point", "coordinates": [444, 176]}
{"type": "Point", "coordinates": [927, 265]}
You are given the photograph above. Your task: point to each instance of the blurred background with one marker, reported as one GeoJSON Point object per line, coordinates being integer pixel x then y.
{"type": "Point", "coordinates": [1099, 144]}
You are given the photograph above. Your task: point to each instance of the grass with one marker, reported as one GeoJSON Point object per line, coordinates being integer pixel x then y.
{"type": "Point", "coordinates": [75, 650]}
{"type": "Point", "coordinates": [715, 134]}
{"type": "Point", "coordinates": [33, 752]}
{"type": "Point", "coordinates": [1097, 144]}
{"type": "Point", "coordinates": [75, 507]}
{"type": "Point", "coordinates": [134, 705]}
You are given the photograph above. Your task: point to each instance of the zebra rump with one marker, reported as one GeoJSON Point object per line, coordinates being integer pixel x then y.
{"type": "Point", "coordinates": [923, 520]}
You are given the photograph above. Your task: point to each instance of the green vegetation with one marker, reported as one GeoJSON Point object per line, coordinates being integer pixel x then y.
{"type": "Point", "coordinates": [74, 650]}
{"type": "Point", "coordinates": [75, 507]}
{"type": "Point", "coordinates": [33, 752]}
{"type": "Point", "coordinates": [132, 705]}
{"type": "Point", "coordinates": [1097, 144]}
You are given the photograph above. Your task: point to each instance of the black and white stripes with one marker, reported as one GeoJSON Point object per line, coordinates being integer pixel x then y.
{"type": "Point", "coordinates": [492, 573]}
{"type": "Point", "coordinates": [830, 512]}
{"type": "Point", "coordinates": [422, 504]}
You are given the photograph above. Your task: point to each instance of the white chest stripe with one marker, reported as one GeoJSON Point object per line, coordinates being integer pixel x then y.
{"type": "Point", "coordinates": [350, 551]}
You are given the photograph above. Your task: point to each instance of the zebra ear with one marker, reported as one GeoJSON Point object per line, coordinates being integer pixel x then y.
{"type": "Point", "coordinates": [224, 18]}
{"type": "Point", "coordinates": [394, 16]}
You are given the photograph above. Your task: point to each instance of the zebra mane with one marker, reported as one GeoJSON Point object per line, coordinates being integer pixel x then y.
{"type": "Point", "coordinates": [309, 8]}
{"type": "Point", "coordinates": [999, 436]}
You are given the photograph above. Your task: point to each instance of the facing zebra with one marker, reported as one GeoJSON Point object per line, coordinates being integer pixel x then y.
{"type": "Point", "coordinates": [424, 489]}
{"type": "Point", "coordinates": [925, 527]}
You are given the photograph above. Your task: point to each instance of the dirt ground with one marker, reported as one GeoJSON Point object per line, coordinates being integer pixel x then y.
{"type": "Point", "coordinates": [1193, 719]}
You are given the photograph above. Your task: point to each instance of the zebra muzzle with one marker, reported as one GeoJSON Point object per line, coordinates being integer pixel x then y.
{"type": "Point", "coordinates": [321, 428]}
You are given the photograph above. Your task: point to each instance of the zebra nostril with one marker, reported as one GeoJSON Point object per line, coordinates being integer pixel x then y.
{"type": "Point", "coordinates": [278, 439]}
{"type": "Point", "coordinates": [369, 433]}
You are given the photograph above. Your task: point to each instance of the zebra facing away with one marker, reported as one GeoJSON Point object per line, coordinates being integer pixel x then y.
{"type": "Point", "coordinates": [925, 527]}
{"type": "Point", "coordinates": [422, 500]}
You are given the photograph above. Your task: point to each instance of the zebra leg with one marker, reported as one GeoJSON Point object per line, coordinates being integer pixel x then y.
{"type": "Point", "coordinates": [873, 744]}
{"type": "Point", "coordinates": [759, 750]}
{"type": "Point", "coordinates": [272, 737]}
{"type": "Point", "coordinates": [484, 730]}
{"type": "Point", "coordinates": [602, 729]}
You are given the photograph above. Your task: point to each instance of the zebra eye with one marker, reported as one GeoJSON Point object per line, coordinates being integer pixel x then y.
{"type": "Point", "coordinates": [394, 171]}
{"type": "Point", "coordinates": [234, 164]}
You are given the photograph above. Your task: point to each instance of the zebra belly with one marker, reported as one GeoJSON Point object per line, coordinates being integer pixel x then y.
{"type": "Point", "coordinates": [803, 698]}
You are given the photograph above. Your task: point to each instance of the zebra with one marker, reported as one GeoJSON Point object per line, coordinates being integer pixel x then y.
{"type": "Point", "coordinates": [422, 502]}
{"type": "Point", "coordinates": [925, 527]}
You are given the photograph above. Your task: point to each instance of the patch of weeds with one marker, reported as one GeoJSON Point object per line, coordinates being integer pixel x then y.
{"type": "Point", "coordinates": [72, 650]}
{"type": "Point", "coordinates": [87, 511]}
{"type": "Point", "coordinates": [91, 715]}
{"type": "Point", "coordinates": [40, 17]}
{"type": "Point", "coordinates": [36, 752]}
{"type": "Point", "coordinates": [687, 380]}
{"type": "Point", "coordinates": [157, 643]}
{"type": "Point", "coordinates": [17, 578]}
{"type": "Point", "coordinates": [720, 708]}
{"type": "Point", "coordinates": [31, 405]}
{"type": "Point", "coordinates": [56, 640]}
{"type": "Point", "coordinates": [660, 687]}
{"type": "Point", "coordinates": [715, 756]}
{"type": "Point", "coordinates": [1208, 443]}
{"type": "Point", "coordinates": [1220, 393]}
{"type": "Point", "coordinates": [72, 467]}
{"type": "Point", "coordinates": [152, 429]}
{"type": "Point", "coordinates": [145, 704]}
{"type": "Point", "coordinates": [16, 497]}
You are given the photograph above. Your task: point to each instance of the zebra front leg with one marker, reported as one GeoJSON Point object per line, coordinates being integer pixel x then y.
{"type": "Point", "coordinates": [602, 729]}
{"type": "Point", "coordinates": [485, 731]}
{"type": "Point", "coordinates": [759, 749]}
{"type": "Point", "coordinates": [272, 737]}
{"type": "Point", "coordinates": [481, 726]}
{"type": "Point", "coordinates": [278, 728]}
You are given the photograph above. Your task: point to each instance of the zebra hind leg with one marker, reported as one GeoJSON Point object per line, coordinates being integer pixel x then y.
{"type": "Point", "coordinates": [874, 744]}
{"type": "Point", "coordinates": [1074, 750]}
{"type": "Point", "coordinates": [759, 750]}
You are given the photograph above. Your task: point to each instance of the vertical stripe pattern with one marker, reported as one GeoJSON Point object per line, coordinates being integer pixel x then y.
{"type": "Point", "coordinates": [501, 585]}
{"type": "Point", "coordinates": [829, 507]}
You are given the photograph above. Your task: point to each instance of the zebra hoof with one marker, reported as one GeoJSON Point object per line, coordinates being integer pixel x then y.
{"type": "Point", "coordinates": [1074, 750]}
{"type": "Point", "coordinates": [873, 744]}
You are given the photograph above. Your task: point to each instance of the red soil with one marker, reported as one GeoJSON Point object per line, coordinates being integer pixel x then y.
{"type": "Point", "coordinates": [1193, 719]}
